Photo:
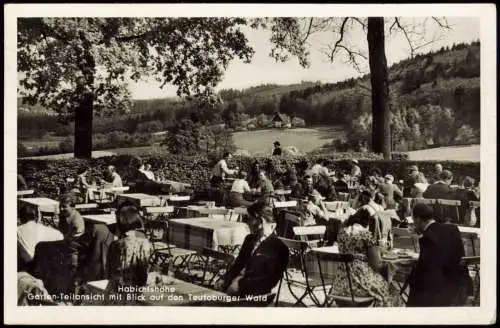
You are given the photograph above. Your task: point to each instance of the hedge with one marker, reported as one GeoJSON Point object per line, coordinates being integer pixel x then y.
{"type": "Point", "coordinates": [46, 176]}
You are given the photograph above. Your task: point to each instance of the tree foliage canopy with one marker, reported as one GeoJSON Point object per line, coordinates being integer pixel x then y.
{"type": "Point", "coordinates": [61, 58]}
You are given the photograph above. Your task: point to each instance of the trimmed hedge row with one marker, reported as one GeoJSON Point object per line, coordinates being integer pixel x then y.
{"type": "Point", "coordinates": [47, 176]}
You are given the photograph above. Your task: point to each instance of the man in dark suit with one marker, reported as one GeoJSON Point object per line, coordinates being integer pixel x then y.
{"type": "Point", "coordinates": [441, 188]}
{"type": "Point", "coordinates": [438, 279]}
{"type": "Point", "coordinates": [262, 259]}
{"type": "Point", "coordinates": [277, 149]}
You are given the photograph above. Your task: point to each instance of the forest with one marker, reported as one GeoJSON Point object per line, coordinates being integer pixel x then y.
{"type": "Point", "coordinates": [434, 101]}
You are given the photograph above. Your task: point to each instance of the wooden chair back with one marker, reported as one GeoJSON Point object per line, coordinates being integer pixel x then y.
{"type": "Point", "coordinates": [313, 235]}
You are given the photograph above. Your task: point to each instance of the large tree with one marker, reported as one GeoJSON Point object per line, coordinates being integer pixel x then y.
{"type": "Point", "coordinates": [290, 36]}
{"type": "Point", "coordinates": [79, 67]}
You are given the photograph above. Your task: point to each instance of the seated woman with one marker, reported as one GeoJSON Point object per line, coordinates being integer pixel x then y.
{"type": "Point", "coordinates": [314, 212]}
{"type": "Point", "coordinates": [239, 188]}
{"type": "Point", "coordinates": [128, 257]}
{"type": "Point", "coordinates": [367, 270]}
{"type": "Point", "coordinates": [254, 175]}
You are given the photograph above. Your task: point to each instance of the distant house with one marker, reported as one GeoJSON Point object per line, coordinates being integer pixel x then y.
{"type": "Point", "coordinates": [297, 122]}
{"type": "Point", "coordinates": [280, 120]}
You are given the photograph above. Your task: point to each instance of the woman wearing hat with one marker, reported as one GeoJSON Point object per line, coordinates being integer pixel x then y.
{"type": "Point", "coordinates": [355, 170]}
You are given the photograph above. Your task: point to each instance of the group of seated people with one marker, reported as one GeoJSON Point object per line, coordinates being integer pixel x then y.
{"type": "Point", "coordinates": [330, 184]}
{"type": "Point", "coordinates": [66, 257]}
{"type": "Point", "coordinates": [122, 256]}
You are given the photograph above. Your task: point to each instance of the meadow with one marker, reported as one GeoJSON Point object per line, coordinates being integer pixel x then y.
{"type": "Point", "coordinates": [304, 139]}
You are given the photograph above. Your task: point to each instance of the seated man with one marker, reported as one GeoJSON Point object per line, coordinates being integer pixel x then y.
{"type": "Point", "coordinates": [301, 190]}
{"type": "Point", "coordinates": [340, 184]}
{"type": "Point", "coordinates": [266, 188]}
{"type": "Point", "coordinates": [72, 226]}
{"type": "Point", "coordinates": [438, 279]}
{"type": "Point", "coordinates": [441, 188]}
{"type": "Point", "coordinates": [116, 180]}
{"type": "Point", "coordinates": [262, 259]}
{"type": "Point", "coordinates": [71, 223]}
{"type": "Point", "coordinates": [29, 234]}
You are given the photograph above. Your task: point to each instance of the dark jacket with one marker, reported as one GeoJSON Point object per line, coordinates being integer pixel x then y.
{"type": "Point", "coordinates": [438, 190]}
{"type": "Point", "coordinates": [99, 241]}
{"type": "Point", "coordinates": [341, 186]}
{"type": "Point", "coordinates": [392, 194]}
{"type": "Point", "coordinates": [438, 279]}
{"type": "Point", "coordinates": [263, 269]}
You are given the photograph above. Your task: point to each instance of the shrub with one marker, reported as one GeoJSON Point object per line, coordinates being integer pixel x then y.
{"type": "Point", "coordinates": [45, 176]}
{"type": "Point", "coordinates": [66, 145]}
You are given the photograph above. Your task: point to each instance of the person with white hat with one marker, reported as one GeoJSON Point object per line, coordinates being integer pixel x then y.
{"type": "Point", "coordinates": [355, 169]}
{"type": "Point", "coordinates": [392, 193]}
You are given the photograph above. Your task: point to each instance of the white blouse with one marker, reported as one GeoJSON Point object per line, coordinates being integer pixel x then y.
{"type": "Point", "coordinates": [240, 186]}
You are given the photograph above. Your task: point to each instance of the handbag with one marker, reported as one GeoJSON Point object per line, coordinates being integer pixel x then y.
{"type": "Point", "coordinates": [470, 217]}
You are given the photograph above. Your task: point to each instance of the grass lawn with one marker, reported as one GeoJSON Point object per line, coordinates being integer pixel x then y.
{"type": "Point", "coordinates": [305, 139]}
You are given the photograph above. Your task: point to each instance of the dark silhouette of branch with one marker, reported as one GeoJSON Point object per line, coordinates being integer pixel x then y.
{"type": "Point", "coordinates": [308, 31]}
{"type": "Point", "coordinates": [443, 24]}
{"type": "Point", "coordinates": [410, 34]}
{"type": "Point", "coordinates": [341, 37]}
{"type": "Point", "coordinates": [351, 53]}
{"type": "Point", "coordinates": [360, 22]}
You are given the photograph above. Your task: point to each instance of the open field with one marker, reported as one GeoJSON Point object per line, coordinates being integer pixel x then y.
{"type": "Point", "coordinates": [48, 142]}
{"type": "Point", "coordinates": [305, 139]}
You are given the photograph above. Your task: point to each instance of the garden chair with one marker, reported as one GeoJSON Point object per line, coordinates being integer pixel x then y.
{"type": "Point", "coordinates": [166, 254]}
{"type": "Point", "coordinates": [297, 276]}
{"type": "Point", "coordinates": [156, 218]}
{"type": "Point", "coordinates": [216, 265]}
{"type": "Point", "coordinates": [341, 300]}
{"type": "Point", "coordinates": [405, 234]}
{"type": "Point", "coordinates": [313, 235]}
{"type": "Point", "coordinates": [336, 205]}
{"type": "Point", "coordinates": [447, 207]}
{"type": "Point", "coordinates": [290, 219]}
{"type": "Point", "coordinates": [49, 219]}
{"type": "Point", "coordinates": [285, 204]}
{"type": "Point", "coordinates": [473, 238]}
{"type": "Point", "coordinates": [473, 264]}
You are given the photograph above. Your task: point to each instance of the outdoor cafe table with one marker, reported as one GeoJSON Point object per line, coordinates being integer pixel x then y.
{"type": "Point", "coordinates": [139, 200]}
{"type": "Point", "coordinates": [41, 204]}
{"type": "Point", "coordinates": [198, 233]}
{"type": "Point", "coordinates": [175, 293]}
{"type": "Point", "coordinates": [107, 219]}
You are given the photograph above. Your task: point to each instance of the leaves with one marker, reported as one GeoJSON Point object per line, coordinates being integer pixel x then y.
{"type": "Point", "coordinates": [60, 54]}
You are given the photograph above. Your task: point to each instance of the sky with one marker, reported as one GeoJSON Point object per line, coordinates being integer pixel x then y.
{"type": "Point", "coordinates": [263, 69]}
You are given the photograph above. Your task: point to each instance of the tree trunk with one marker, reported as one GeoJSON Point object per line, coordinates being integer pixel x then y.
{"type": "Point", "coordinates": [83, 127]}
{"type": "Point", "coordinates": [381, 130]}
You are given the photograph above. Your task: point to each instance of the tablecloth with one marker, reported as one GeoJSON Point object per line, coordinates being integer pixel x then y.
{"type": "Point", "coordinates": [197, 233]}
{"type": "Point", "coordinates": [41, 204]}
{"type": "Point", "coordinates": [139, 200]}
